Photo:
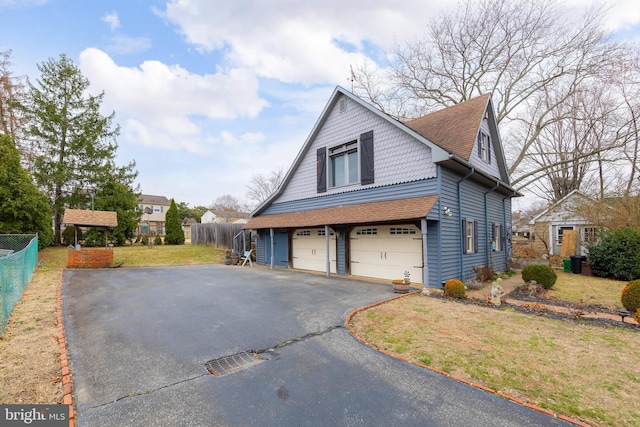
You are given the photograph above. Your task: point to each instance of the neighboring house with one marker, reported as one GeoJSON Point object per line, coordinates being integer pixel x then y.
{"type": "Point", "coordinates": [550, 224]}
{"type": "Point", "coordinates": [370, 196]}
{"type": "Point", "coordinates": [208, 217]}
{"type": "Point", "coordinates": [153, 222]}
{"type": "Point", "coordinates": [186, 227]}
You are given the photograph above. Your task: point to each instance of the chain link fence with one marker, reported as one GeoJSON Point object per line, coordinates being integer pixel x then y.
{"type": "Point", "coordinates": [18, 259]}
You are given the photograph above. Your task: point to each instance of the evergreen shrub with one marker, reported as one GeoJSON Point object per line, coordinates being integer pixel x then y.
{"type": "Point", "coordinates": [631, 296]}
{"type": "Point", "coordinates": [454, 288]}
{"type": "Point", "coordinates": [616, 255]}
{"type": "Point", "coordinates": [542, 274]}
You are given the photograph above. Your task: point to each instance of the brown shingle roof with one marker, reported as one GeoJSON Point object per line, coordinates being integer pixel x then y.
{"type": "Point", "coordinates": [90, 218]}
{"type": "Point", "coordinates": [392, 210]}
{"type": "Point", "coordinates": [455, 128]}
{"type": "Point", "coordinates": [148, 199]}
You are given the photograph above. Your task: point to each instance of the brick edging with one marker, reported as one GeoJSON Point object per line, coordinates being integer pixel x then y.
{"type": "Point", "coordinates": [347, 320]}
{"type": "Point", "coordinates": [67, 381]}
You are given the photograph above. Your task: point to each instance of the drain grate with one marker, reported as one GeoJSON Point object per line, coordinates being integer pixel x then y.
{"type": "Point", "coordinates": [236, 362]}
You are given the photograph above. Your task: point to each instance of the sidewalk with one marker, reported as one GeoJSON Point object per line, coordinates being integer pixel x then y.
{"type": "Point", "coordinates": [515, 281]}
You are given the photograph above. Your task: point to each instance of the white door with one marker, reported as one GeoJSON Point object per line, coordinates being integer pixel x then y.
{"type": "Point", "coordinates": [386, 252]}
{"type": "Point", "coordinates": [309, 249]}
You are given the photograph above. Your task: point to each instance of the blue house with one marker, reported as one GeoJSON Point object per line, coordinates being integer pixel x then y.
{"type": "Point", "coordinates": [370, 196]}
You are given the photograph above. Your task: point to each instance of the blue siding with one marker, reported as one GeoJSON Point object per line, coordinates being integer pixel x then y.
{"type": "Point", "coordinates": [472, 195]}
{"type": "Point", "coordinates": [434, 256]}
{"type": "Point", "coordinates": [263, 248]}
{"type": "Point", "coordinates": [379, 194]}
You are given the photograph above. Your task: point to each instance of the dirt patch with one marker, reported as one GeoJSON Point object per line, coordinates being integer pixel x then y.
{"type": "Point", "coordinates": [29, 349]}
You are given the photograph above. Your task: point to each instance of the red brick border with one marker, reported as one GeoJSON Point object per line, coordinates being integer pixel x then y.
{"type": "Point", "coordinates": [67, 380]}
{"type": "Point", "coordinates": [347, 320]}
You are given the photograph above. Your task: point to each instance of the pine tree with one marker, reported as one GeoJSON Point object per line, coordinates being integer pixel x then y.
{"type": "Point", "coordinates": [75, 146]}
{"type": "Point", "coordinates": [23, 209]}
{"type": "Point", "coordinates": [174, 234]}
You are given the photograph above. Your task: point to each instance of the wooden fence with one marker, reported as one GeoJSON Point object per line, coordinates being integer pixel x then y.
{"type": "Point", "coordinates": [220, 235]}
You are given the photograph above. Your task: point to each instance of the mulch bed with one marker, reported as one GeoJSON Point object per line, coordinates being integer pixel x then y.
{"type": "Point", "coordinates": [538, 304]}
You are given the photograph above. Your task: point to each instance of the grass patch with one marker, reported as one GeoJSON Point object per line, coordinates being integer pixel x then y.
{"type": "Point", "coordinates": [578, 370]}
{"type": "Point", "coordinates": [586, 289]}
{"type": "Point", "coordinates": [29, 350]}
{"type": "Point", "coordinates": [136, 256]}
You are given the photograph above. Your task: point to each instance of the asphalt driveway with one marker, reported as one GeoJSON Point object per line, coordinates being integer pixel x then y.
{"type": "Point", "coordinates": [139, 340]}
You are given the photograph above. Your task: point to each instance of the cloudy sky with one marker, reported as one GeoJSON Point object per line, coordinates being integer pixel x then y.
{"type": "Point", "coordinates": [209, 92]}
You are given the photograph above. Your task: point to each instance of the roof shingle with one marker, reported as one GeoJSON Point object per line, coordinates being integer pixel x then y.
{"type": "Point", "coordinates": [90, 218]}
{"type": "Point", "coordinates": [391, 210]}
{"type": "Point", "coordinates": [454, 128]}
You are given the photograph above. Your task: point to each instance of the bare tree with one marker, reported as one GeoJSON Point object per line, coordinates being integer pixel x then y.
{"type": "Point", "coordinates": [531, 55]}
{"type": "Point", "coordinates": [12, 92]}
{"type": "Point", "coordinates": [261, 186]}
{"type": "Point", "coordinates": [228, 207]}
{"type": "Point", "coordinates": [579, 146]}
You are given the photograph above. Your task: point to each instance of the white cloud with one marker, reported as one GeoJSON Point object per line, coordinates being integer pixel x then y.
{"type": "Point", "coordinates": [295, 41]}
{"type": "Point", "coordinates": [125, 44]}
{"type": "Point", "coordinates": [623, 14]}
{"type": "Point", "coordinates": [161, 105]}
{"type": "Point", "coordinates": [112, 20]}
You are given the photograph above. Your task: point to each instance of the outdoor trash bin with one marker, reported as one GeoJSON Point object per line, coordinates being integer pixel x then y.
{"type": "Point", "coordinates": [576, 264]}
{"type": "Point", "coordinates": [567, 265]}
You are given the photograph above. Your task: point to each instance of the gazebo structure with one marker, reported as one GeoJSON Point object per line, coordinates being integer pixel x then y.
{"type": "Point", "coordinates": [94, 257]}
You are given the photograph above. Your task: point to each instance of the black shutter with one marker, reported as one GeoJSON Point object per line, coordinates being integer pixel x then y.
{"type": "Point", "coordinates": [480, 144]}
{"type": "Point", "coordinates": [489, 149]}
{"type": "Point", "coordinates": [321, 164]}
{"type": "Point", "coordinates": [366, 158]}
{"type": "Point", "coordinates": [503, 245]}
{"type": "Point", "coordinates": [475, 236]}
{"type": "Point", "coordinates": [463, 228]}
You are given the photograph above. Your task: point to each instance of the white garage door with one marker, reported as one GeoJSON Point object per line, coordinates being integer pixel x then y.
{"type": "Point", "coordinates": [386, 252]}
{"type": "Point", "coordinates": [309, 249]}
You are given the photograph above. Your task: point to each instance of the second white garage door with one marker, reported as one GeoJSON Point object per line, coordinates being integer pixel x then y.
{"type": "Point", "coordinates": [386, 252]}
{"type": "Point", "coordinates": [309, 249]}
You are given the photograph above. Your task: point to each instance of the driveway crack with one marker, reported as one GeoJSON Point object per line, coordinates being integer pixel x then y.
{"type": "Point", "coordinates": [299, 339]}
{"type": "Point", "coordinates": [150, 391]}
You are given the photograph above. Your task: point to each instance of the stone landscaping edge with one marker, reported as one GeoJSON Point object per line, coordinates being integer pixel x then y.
{"type": "Point", "coordinates": [67, 380]}
{"type": "Point", "coordinates": [446, 374]}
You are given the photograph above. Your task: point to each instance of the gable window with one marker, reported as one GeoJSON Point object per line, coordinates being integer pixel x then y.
{"type": "Point", "coordinates": [346, 164]}
{"type": "Point", "coordinates": [484, 147]}
{"type": "Point", "coordinates": [343, 164]}
{"type": "Point", "coordinates": [470, 236]}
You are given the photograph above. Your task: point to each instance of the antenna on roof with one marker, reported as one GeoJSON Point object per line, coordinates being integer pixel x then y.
{"type": "Point", "coordinates": [353, 77]}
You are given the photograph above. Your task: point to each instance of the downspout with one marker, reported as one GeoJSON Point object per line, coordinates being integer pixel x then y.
{"type": "Point", "coordinates": [505, 231]}
{"type": "Point", "coordinates": [471, 172]}
{"type": "Point", "coordinates": [486, 220]}
{"type": "Point", "coordinates": [425, 257]}
{"type": "Point", "coordinates": [327, 238]}
{"type": "Point", "coordinates": [273, 247]}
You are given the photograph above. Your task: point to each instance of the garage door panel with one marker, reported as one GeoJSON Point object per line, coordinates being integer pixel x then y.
{"type": "Point", "coordinates": [309, 250]}
{"type": "Point", "coordinates": [386, 252]}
